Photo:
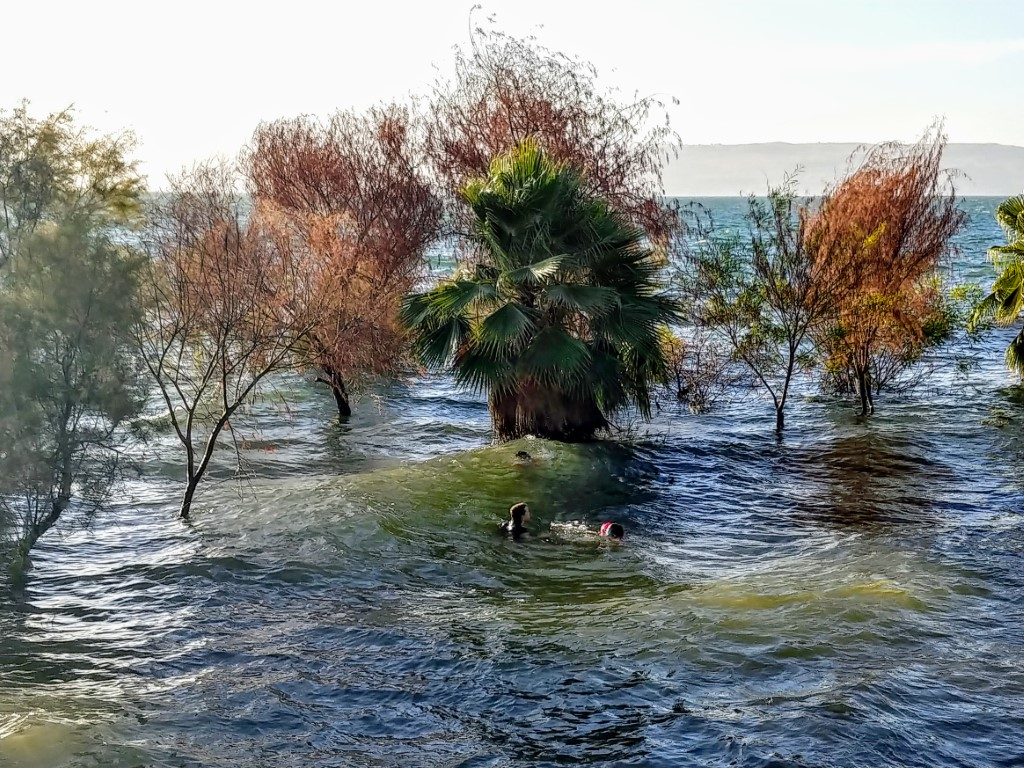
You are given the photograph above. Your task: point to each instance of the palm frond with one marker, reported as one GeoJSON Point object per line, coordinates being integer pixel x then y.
{"type": "Point", "coordinates": [533, 274]}
{"type": "Point", "coordinates": [623, 330]}
{"type": "Point", "coordinates": [416, 310]}
{"type": "Point", "coordinates": [606, 378]}
{"type": "Point", "coordinates": [454, 297]}
{"type": "Point", "coordinates": [986, 309]}
{"type": "Point", "coordinates": [586, 299]}
{"type": "Point", "coordinates": [1015, 355]}
{"type": "Point", "coordinates": [480, 371]}
{"type": "Point", "coordinates": [506, 327]}
{"type": "Point", "coordinates": [435, 347]}
{"type": "Point", "coordinates": [1010, 215]}
{"type": "Point", "coordinates": [555, 358]}
{"type": "Point", "coordinates": [1003, 255]}
{"type": "Point", "coordinates": [1008, 291]}
{"type": "Point", "coordinates": [1011, 300]}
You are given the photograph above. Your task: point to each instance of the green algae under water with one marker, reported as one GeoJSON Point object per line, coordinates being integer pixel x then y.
{"type": "Point", "coordinates": [849, 596]}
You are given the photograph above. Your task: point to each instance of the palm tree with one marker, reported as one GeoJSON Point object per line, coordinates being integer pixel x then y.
{"type": "Point", "coordinates": [558, 315]}
{"type": "Point", "coordinates": [1006, 301]}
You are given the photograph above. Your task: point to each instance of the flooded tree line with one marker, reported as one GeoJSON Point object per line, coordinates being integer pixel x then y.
{"type": "Point", "coordinates": [577, 290]}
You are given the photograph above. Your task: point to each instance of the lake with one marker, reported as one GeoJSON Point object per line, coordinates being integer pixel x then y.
{"type": "Point", "coordinates": [851, 595]}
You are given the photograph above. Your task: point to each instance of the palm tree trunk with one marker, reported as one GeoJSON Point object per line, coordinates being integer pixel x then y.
{"type": "Point", "coordinates": [542, 412]}
{"type": "Point", "coordinates": [503, 407]}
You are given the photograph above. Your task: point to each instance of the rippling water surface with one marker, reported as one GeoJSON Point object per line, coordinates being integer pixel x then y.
{"type": "Point", "coordinates": [849, 596]}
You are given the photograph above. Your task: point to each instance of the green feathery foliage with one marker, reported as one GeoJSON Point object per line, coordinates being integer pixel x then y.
{"type": "Point", "coordinates": [69, 378]}
{"type": "Point", "coordinates": [1006, 300]}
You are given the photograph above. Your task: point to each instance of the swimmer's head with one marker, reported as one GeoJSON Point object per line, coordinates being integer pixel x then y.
{"type": "Point", "coordinates": [613, 530]}
{"type": "Point", "coordinates": [523, 456]}
{"type": "Point", "coordinates": [520, 514]}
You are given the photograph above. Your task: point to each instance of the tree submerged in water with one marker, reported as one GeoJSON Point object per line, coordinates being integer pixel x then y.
{"type": "Point", "coordinates": [70, 383]}
{"type": "Point", "coordinates": [760, 294]}
{"type": "Point", "coordinates": [226, 309]}
{"type": "Point", "coordinates": [881, 237]}
{"type": "Point", "coordinates": [352, 197]}
{"type": "Point", "coordinates": [559, 313]}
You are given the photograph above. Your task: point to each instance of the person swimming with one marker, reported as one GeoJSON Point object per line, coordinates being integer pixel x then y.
{"type": "Point", "coordinates": [613, 530]}
{"type": "Point", "coordinates": [518, 516]}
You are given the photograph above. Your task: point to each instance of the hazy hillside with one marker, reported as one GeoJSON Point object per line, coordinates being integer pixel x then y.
{"type": "Point", "coordinates": [734, 169]}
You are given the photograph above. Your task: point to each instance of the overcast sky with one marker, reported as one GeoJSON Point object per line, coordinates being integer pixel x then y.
{"type": "Point", "coordinates": [193, 78]}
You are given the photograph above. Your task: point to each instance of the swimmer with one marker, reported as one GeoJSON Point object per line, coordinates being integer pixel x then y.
{"type": "Point", "coordinates": [613, 531]}
{"type": "Point", "coordinates": [518, 516]}
{"type": "Point", "coordinates": [523, 456]}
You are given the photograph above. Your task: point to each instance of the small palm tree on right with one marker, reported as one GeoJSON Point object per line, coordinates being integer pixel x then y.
{"type": "Point", "coordinates": [1006, 301]}
{"type": "Point", "coordinates": [560, 314]}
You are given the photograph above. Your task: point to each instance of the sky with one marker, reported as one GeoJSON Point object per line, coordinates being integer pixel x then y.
{"type": "Point", "coordinates": [193, 79]}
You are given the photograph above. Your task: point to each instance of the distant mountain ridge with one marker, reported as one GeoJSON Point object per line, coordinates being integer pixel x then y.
{"type": "Point", "coordinates": [713, 170]}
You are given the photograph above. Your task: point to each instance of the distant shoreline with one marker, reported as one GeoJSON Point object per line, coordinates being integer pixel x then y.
{"type": "Point", "coordinates": [744, 197]}
{"type": "Point", "coordinates": [736, 170]}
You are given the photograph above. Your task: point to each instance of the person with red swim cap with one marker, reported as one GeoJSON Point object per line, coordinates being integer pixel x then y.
{"type": "Point", "coordinates": [613, 530]}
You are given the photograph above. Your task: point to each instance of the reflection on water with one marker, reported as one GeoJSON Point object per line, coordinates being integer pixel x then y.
{"type": "Point", "coordinates": [873, 480]}
{"type": "Point", "coordinates": [849, 596]}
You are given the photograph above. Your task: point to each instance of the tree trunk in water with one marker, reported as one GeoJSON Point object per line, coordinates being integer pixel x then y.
{"type": "Point", "coordinates": [40, 527]}
{"type": "Point", "coordinates": [336, 382]}
{"type": "Point", "coordinates": [541, 412]}
{"type": "Point", "coordinates": [867, 404]}
{"type": "Point", "coordinates": [186, 500]}
{"type": "Point", "coordinates": [503, 407]}
{"type": "Point", "coordinates": [780, 419]}
{"type": "Point", "coordinates": [32, 536]}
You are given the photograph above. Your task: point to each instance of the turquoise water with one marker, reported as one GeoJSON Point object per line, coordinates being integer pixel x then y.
{"type": "Point", "coordinates": [849, 596]}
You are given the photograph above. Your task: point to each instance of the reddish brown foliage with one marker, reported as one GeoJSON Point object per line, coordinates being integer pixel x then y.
{"type": "Point", "coordinates": [349, 197]}
{"type": "Point", "coordinates": [506, 89]}
{"type": "Point", "coordinates": [879, 238]}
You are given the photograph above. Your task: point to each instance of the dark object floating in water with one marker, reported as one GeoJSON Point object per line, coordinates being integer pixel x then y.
{"type": "Point", "coordinates": [519, 516]}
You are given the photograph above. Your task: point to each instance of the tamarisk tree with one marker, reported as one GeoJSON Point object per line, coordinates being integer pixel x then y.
{"type": "Point", "coordinates": [506, 89]}
{"type": "Point", "coordinates": [226, 307]}
{"type": "Point", "coordinates": [762, 294]}
{"type": "Point", "coordinates": [880, 238]}
{"type": "Point", "coordinates": [70, 383]}
{"type": "Point", "coordinates": [353, 200]}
